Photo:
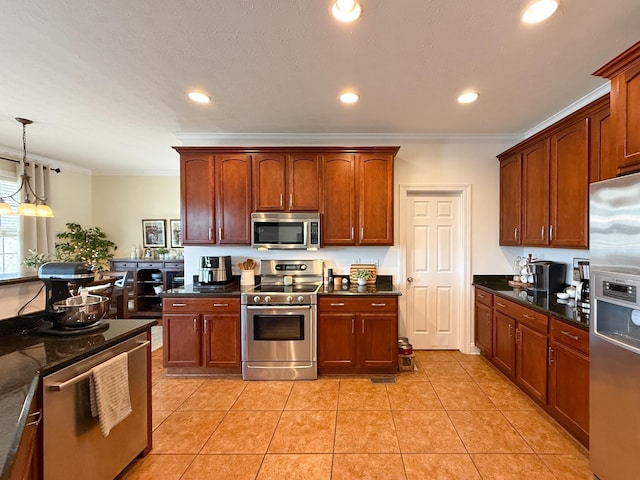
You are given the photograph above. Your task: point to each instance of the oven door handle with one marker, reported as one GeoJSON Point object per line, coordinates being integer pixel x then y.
{"type": "Point", "coordinates": [279, 307]}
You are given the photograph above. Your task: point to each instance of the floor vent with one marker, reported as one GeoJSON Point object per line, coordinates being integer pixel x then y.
{"type": "Point", "coordinates": [383, 379]}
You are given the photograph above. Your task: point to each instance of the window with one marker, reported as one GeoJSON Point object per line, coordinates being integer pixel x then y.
{"type": "Point", "coordinates": [9, 240]}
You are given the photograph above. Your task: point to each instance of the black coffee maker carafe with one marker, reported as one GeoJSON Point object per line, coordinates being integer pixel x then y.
{"type": "Point", "coordinates": [215, 270]}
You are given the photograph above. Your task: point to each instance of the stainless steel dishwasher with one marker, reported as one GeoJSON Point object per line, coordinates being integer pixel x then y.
{"type": "Point", "coordinates": [73, 444]}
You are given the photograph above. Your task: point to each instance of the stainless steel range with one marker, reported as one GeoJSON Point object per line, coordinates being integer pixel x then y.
{"type": "Point", "coordinates": [279, 321]}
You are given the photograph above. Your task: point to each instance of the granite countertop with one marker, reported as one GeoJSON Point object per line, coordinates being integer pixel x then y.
{"type": "Point", "coordinates": [550, 305]}
{"type": "Point", "coordinates": [26, 355]}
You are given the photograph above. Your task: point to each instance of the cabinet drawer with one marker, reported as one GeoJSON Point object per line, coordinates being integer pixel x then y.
{"type": "Point", "coordinates": [174, 265]}
{"type": "Point", "coordinates": [159, 265]}
{"type": "Point", "coordinates": [484, 297]}
{"type": "Point", "coordinates": [117, 266]}
{"type": "Point", "coordinates": [201, 305]}
{"type": "Point", "coordinates": [536, 320]}
{"type": "Point", "coordinates": [569, 335]}
{"type": "Point", "coordinates": [358, 304]}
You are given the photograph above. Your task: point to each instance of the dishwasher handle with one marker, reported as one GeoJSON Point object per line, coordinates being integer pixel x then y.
{"type": "Point", "coordinates": [56, 387]}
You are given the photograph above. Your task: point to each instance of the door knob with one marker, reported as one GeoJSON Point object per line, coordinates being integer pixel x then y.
{"type": "Point", "coordinates": [410, 279]}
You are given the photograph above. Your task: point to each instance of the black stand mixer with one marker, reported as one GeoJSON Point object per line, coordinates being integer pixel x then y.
{"type": "Point", "coordinates": [56, 277]}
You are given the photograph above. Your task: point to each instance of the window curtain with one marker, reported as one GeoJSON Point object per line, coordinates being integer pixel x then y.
{"type": "Point", "coordinates": [35, 232]}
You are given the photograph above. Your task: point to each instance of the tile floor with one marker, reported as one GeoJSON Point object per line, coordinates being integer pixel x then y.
{"type": "Point", "coordinates": [456, 417]}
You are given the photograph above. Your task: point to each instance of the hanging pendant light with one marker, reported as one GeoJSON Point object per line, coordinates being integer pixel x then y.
{"type": "Point", "coordinates": [32, 205]}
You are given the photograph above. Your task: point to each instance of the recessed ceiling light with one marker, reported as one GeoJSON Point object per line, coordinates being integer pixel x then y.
{"type": "Point", "coordinates": [346, 10]}
{"type": "Point", "coordinates": [199, 97]}
{"type": "Point", "coordinates": [349, 97]}
{"type": "Point", "coordinates": [468, 97]}
{"type": "Point", "coordinates": [539, 10]}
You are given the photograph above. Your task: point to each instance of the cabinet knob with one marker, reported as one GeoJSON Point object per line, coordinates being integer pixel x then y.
{"type": "Point", "coordinates": [410, 279]}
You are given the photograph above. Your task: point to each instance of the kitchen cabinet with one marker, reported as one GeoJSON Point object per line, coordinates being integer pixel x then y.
{"type": "Point", "coordinates": [624, 73]}
{"type": "Point", "coordinates": [535, 194]}
{"type": "Point", "coordinates": [511, 200]}
{"type": "Point", "coordinates": [602, 147]}
{"type": "Point", "coordinates": [26, 462]}
{"type": "Point", "coordinates": [215, 198]}
{"type": "Point", "coordinates": [201, 334]}
{"type": "Point", "coordinates": [520, 346]}
{"type": "Point", "coordinates": [569, 378]}
{"type": "Point", "coordinates": [143, 276]}
{"type": "Point", "coordinates": [287, 182]}
{"type": "Point", "coordinates": [357, 334]}
{"type": "Point", "coordinates": [358, 207]}
{"type": "Point", "coordinates": [483, 322]}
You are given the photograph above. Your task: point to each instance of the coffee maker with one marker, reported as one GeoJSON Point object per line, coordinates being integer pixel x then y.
{"type": "Point", "coordinates": [582, 288]}
{"type": "Point", "coordinates": [548, 277]}
{"type": "Point", "coordinates": [215, 270]}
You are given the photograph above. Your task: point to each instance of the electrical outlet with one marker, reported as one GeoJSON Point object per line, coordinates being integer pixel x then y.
{"type": "Point", "coordinates": [355, 261]}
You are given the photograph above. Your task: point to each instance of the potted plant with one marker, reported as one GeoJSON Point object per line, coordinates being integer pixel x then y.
{"type": "Point", "coordinates": [89, 245]}
{"type": "Point", "coordinates": [36, 259]}
{"type": "Point", "coordinates": [162, 252]}
{"type": "Point", "coordinates": [362, 276]}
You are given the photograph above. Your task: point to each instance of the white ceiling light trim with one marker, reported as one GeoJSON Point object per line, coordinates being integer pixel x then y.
{"type": "Point", "coordinates": [468, 97]}
{"type": "Point", "coordinates": [349, 97]}
{"type": "Point", "coordinates": [346, 10]}
{"type": "Point", "coordinates": [199, 97]}
{"type": "Point", "coordinates": [539, 11]}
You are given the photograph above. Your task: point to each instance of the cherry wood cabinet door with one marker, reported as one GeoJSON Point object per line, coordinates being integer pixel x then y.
{"type": "Point", "coordinates": [484, 329]}
{"type": "Point", "coordinates": [625, 109]}
{"type": "Point", "coordinates": [197, 199]}
{"type": "Point", "coordinates": [535, 194]}
{"type": "Point", "coordinates": [304, 180]}
{"type": "Point", "coordinates": [569, 389]}
{"type": "Point", "coordinates": [531, 361]}
{"type": "Point", "coordinates": [603, 163]}
{"type": "Point", "coordinates": [377, 340]}
{"type": "Point", "coordinates": [269, 182]}
{"type": "Point", "coordinates": [233, 199]}
{"type": "Point", "coordinates": [221, 338]}
{"type": "Point", "coordinates": [339, 200]}
{"type": "Point", "coordinates": [504, 345]}
{"type": "Point", "coordinates": [569, 187]}
{"type": "Point", "coordinates": [511, 200]}
{"type": "Point", "coordinates": [336, 340]}
{"type": "Point", "coordinates": [181, 340]}
{"type": "Point", "coordinates": [375, 199]}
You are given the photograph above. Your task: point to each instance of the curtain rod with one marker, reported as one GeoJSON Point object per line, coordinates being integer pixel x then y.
{"type": "Point", "coordinates": [57, 170]}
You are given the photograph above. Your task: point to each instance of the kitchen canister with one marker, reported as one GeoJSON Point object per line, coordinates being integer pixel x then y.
{"type": "Point", "coordinates": [247, 277]}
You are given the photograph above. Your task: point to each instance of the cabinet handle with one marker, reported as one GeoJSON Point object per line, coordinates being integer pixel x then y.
{"type": "Point", "coordinates": [515, 233]}
{"type": "Point", "coordinates": [510, 330]}
{"type": "Point", "coordinates": [567, 334]}
{"type": "Point", "coordinates": [551, 356]}
{"type": "Point", "coordinates": [337, 304]}
{"type": "Point", "coordinates": [525, 315]}
{"type": "Point", "coordinates": [178, 304]}
{"type": "Point", "coordinates": [550, 232]}
{"type": "Point", "coordinates": [36, 422]}
{"type": "Point", "coordinates": [280, 199]}
{"type": "Point", "coordinates": [210, 233]}
{"type": "Point", "coordinates": [291, 200]}
{"type": "Point", "coordinates": [195, 325]}
{"type": "Point", "coordinates": [363, 325]}
{"type": "Point", "coordinates": [518, 335]}
{"type": "Point", "coordinates": [351, 233]}
{"type": "Point", "coordinates": [480, 295]}
{"type": "Point", "coordinates": [501, 305]}
{"type": "Point", "coordinates": [542, 233]}
{"type": "Point", "coordinates": [219, 233]}
{"type": "Point", "coordinates": [361, 233]}
{"type": "Point", "coordinates": [220, 304]}
{"type": "Point", "coordinates": [205, 326]}
{"type": "Point", "coordinates": [378, 304]}
{"type": "Point", "coordinates": [353, 326]}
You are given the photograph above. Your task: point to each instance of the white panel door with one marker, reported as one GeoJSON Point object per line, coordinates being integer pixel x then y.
{"type": "Point", "coordinates": [434, 263]}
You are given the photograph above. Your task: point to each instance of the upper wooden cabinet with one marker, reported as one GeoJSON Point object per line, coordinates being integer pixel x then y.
{"type": "Point", "coordinates": [624, 73]}
{"type": "Point", "coordinates": [215, 197]}
{"type": "Point", "coordinates": [358, 205]}
{"type": "Point", "coordinates": [551, 172]}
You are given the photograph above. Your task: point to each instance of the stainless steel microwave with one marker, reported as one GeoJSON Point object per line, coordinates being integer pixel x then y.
{"type": "Point", "coordinates": [283, 230]}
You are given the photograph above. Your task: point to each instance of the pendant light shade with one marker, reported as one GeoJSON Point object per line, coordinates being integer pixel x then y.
{"type": "Point", "coordinates": [31, 204]}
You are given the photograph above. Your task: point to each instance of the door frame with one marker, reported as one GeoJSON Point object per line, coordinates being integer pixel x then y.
{"type": "Point", "coordinates": [464, 338]}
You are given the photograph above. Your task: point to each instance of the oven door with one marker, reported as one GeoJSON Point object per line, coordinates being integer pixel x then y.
{"type": "Point", "coordinates": [279, 342]}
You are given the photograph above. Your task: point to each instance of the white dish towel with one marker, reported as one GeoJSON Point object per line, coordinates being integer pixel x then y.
{"type": "Point", "coordinates": [109, 389]}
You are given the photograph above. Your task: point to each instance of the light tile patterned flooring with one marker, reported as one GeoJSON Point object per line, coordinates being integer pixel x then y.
{"type": "Point", "coordinates": [456, 417]}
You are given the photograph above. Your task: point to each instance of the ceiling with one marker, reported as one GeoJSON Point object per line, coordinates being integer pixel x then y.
{"type": "Point", "coordinates": [105, 82]}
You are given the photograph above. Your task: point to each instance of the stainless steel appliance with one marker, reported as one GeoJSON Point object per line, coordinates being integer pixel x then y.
{"type": "Point", "coordinates": [614, 339]}
{"type": "Point", "coordinates": [548, 277]}
{"type": "Point", "coordinates": [279, 321]}
{"type": "Point", "coordinates": [215, 270]}
{"type": "Point", "coordinates": [283, 230]}
{"type": "Point", "coordinates": [73, 444]}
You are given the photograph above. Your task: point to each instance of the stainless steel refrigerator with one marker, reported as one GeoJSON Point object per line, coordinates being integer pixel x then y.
{"type": "Point", "coordinates": [614, 237]}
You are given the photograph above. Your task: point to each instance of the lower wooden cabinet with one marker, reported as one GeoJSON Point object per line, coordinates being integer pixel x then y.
{"type": "Point", "coordinates": [357, 335]}
{"type": "Point", "coordinates": [28, 458]}
{"type": "Point", "coordinates": [531, 361]}
{"type": "Point", "coordinates": [484, 322]}
{"type": "Point", "coordinates": [504, 345]}
{"type": "Point", "coordinates": [201, 332]}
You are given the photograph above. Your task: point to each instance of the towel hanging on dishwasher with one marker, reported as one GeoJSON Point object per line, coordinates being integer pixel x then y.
{"type": "Point", "coordinates": [109, 390]}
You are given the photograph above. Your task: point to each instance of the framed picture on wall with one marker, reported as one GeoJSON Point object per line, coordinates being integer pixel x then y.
{"type": "Point", "coordinates": [153, 233]}
{"type": "Point", "coordinates": [175, 230]}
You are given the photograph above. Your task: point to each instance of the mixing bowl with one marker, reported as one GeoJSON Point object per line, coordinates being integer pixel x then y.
{"type": "Point", "coordinates": [81, 311]}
